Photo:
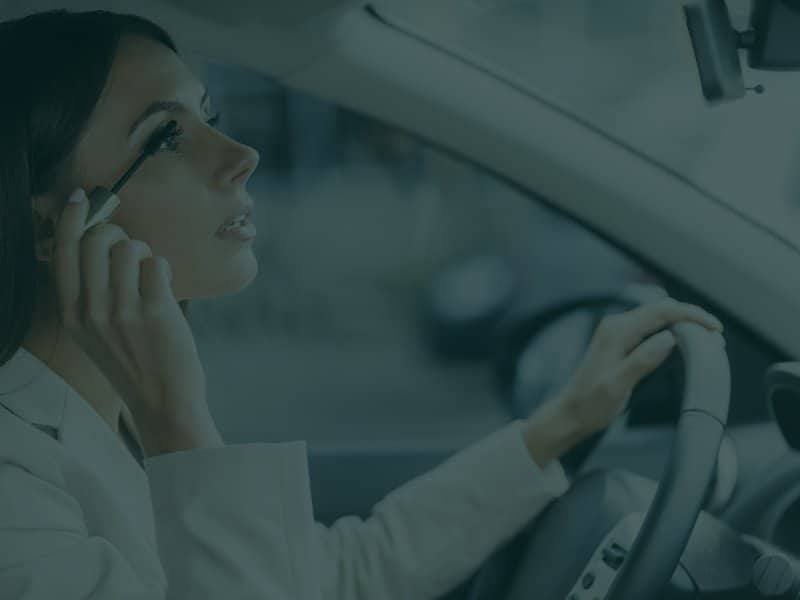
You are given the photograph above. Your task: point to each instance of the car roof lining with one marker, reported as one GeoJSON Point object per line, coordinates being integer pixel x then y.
{"type": "Point", "coordinates": [269, 14]}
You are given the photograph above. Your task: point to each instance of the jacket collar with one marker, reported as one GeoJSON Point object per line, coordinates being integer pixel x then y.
{"type": "Point", "coordinates": [30, 389]}
{"type": "Point", "coordinates": [33, 391]}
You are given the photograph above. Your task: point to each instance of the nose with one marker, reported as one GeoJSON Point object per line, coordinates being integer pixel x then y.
{"type": "Point", "coordinates": [240, 163]}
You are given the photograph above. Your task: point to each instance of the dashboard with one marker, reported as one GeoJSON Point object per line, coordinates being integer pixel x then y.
{"type": "Point", "coordinates": [757, 488]}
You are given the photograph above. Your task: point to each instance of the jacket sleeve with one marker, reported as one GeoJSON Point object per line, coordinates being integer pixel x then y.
{"type": "Point", "coordinates": [231, 522]}
{"type": "Point", "coordinates": [429, 535]}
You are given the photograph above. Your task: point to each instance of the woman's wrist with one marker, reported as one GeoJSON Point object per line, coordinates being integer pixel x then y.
{"type": "Point", "coordinates": [175, 433]}
{"type": "Point", "coordinates": [551, 431]}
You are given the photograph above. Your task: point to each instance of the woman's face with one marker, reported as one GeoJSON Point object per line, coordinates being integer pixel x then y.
{"type": "Point", "coordinates": [180, 196]}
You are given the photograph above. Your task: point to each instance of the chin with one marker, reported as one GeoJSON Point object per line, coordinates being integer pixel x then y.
{"type": "Point", "coordinates": [234, 278]}
{"type": "Point", "coordinates": [243, 275]}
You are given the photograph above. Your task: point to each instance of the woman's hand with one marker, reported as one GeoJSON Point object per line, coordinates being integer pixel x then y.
{"type": "Point", "coordinates": [624, 349]}
{"type": "Point", "coordinates": [115, 299]}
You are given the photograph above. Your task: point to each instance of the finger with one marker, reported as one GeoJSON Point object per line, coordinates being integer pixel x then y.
{"type": "Point", "coordinates": [641, 322]}
{"type": "Point", "coordinates": [95, 264]}
{"type": "Point", "coordinates": [126, 256]}
{"type": "Point", "coordinates": [156, 277]}
{"type": "Point", "coordinates": [646, 358]}
{"type": "Point", "coordinates": [66, 251]}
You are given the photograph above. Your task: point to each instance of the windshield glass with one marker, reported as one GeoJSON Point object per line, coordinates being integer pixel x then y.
{"type": "Point", "coordinates": [629, 71]}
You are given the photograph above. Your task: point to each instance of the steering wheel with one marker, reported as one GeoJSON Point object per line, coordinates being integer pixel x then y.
{"type": "Point", "coordinates": [596, 541]}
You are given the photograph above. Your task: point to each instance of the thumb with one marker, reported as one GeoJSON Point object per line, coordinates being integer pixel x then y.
{"type": "Point", "coordinates": [646, 358]}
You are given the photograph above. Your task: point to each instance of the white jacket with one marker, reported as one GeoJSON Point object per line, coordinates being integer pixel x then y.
{"type": "Point", "coordinates": [80, 519]}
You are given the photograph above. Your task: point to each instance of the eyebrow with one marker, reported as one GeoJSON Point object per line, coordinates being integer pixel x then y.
{"type": "Point", "coordinates": [169, 106]}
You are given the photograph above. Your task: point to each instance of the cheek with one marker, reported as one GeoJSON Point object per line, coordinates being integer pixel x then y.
{"type": "Point", "coordinates": [185, 246]}
{"type": "Point", "coordinates": [174, 220]}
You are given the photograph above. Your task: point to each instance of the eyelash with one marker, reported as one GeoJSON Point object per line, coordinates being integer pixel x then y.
{"type": "Point", "coordinates": [172, 142]}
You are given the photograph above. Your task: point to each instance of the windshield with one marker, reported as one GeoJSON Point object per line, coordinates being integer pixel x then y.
{"type": "Point", "coordinates": [629, 71]}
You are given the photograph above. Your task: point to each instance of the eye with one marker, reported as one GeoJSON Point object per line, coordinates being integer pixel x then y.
{"type": "Point", "coordinates": [214, 119]}
{"type": "Point", "coordinates": [171, 142]}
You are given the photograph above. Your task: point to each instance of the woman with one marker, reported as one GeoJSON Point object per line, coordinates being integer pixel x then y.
{"type": "Point", "coordinates": [96, 353]}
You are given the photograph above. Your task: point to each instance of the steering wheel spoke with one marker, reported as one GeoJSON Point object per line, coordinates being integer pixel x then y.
{"type": "Point", "coordinates": [597, 577]}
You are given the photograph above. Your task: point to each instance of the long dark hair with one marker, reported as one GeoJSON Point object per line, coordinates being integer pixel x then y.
{"type": "Point", "coordinates": [55, 66]}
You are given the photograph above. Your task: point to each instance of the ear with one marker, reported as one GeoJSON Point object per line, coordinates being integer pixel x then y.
{"type": "Point", "coordinates": [45, 210]}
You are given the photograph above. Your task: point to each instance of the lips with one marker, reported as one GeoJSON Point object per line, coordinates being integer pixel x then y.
{"type": "Point", "coordinates": [243, 212]}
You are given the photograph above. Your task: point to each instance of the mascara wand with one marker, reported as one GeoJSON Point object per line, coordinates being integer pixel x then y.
{"type": "Point", "coordinates": [102, 201]}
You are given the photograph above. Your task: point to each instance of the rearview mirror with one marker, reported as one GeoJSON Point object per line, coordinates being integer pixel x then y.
{"type": "Point", "coordinates": [783, 399]}
{"type": "Point", "coordinates": [771, 41]}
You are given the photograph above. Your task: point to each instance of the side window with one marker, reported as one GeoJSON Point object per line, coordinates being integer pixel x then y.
{"type": "Point", "coordinates": [386, 270]}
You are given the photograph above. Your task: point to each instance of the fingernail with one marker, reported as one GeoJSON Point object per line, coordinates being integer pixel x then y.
{"type": "Point", "coordinates": [666, 339]}
{"type": "Point", "coordinates": [77, 196]}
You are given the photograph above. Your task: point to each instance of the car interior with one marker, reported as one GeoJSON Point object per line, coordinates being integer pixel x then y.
{"type": "Point", "coordinates": [453, 195]}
